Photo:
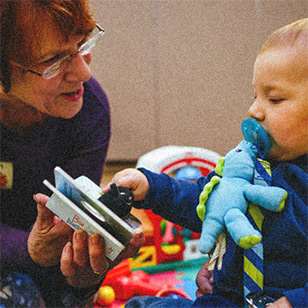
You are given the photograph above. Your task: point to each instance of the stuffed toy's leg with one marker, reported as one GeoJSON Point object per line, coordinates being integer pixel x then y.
{"type": "Point", "coordinates": [269, 197]}
{"type": "Point", "coordinates": [240, 229]}
{"type": "Point", "coordinates": [211, 228]}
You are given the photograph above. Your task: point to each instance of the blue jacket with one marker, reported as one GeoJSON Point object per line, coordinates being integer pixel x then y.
{"type": "Point", "coordinates": [284, 234]}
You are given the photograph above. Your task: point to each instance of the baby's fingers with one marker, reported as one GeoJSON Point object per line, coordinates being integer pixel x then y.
{"type": "Point", "coordinates": [132, 179]}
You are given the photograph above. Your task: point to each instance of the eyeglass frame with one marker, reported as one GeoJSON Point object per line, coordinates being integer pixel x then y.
{"type": "Point", "coordinates": [48, 74]}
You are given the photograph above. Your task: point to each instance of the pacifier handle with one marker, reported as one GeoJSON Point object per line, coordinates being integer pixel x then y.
{"type": "Point", "coordinates": [253, 132]}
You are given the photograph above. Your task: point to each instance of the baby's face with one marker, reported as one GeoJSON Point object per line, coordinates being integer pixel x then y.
{"type": "Point", "coordinates": [281, 100]}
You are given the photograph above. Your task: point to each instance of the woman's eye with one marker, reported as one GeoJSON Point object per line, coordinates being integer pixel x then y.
{"type": "Point", "coordinates": [81, 43]}
{"type": "Point", "coordinates": [53, 59]}
{"type": "Point", "coordinates": [85, 39]}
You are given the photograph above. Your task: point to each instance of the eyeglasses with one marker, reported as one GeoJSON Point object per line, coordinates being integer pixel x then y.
{"type": "Point", "coordinates": [60, 65]}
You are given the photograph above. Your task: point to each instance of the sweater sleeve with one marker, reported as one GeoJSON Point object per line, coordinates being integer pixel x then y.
{"type": "Point", "coordinates": [298, 298]}
{"type": "Point", "coordinates": [173, 199]}
{"type": "Point", "coordinates": [14, 252]}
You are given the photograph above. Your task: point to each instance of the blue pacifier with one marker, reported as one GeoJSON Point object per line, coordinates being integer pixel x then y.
{"type": "Point", "coordinates": [253, 132]}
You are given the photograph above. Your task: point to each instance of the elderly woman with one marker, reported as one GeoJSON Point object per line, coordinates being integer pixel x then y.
{"type": "Point", "coordinates": [53, 113]}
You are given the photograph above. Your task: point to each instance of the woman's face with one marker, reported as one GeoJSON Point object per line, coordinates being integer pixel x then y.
{"type": "Point", "coordinates": [60, 96]}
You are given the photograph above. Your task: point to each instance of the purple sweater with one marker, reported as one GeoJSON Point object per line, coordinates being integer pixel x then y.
{"type": "Point", "coordinates": [78, 145]}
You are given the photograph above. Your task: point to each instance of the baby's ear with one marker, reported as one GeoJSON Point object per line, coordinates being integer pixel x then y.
{"type": "Point", "coordinates": [220, 166]}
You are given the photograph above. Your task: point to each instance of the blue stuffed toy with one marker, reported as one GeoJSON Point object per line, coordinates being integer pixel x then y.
{"type": "Point", "coordinates": [224, 200]}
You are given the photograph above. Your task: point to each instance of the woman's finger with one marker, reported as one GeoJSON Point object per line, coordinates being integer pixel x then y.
{"type": "Point", "coordinates": [67, 265]}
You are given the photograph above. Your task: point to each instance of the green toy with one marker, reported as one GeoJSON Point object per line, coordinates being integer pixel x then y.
{"type": "Point", "coordinates": [224, 200]}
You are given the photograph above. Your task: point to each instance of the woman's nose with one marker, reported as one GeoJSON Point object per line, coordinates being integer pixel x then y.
{"type": "Point", "coordinates": [78, 69]}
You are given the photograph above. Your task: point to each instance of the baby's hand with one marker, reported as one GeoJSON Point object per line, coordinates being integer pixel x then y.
{"type": "Point", "coordinates": [133, 179]}
{"type": "Point", "coordinates": [204, 280]}
{"type": "Point", "coordinates": [282, 302]}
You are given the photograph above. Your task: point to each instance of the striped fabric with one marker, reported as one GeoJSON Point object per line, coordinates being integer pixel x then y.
{"type": "Point", "coordinates": [253, 258]}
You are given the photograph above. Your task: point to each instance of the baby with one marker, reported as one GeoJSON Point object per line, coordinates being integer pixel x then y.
{"type": "Point", "coordinates": [280, 105]}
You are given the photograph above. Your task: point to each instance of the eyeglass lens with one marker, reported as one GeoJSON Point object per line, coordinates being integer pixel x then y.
{"type": "Point", "coordinates": [58, 66]}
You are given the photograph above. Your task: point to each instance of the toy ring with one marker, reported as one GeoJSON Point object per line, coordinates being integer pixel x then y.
{"type": "Point", "coordinates": [101, 274]}
{"type": "Point", "coordinates": [253, 132]}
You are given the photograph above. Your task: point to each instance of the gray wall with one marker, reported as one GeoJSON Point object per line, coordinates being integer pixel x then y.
{"type": "Point", "coordinates": [178, 72]}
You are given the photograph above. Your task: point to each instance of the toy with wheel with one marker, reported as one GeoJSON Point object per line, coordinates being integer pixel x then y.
{"type": "Point", "coordinates": [172, 158]}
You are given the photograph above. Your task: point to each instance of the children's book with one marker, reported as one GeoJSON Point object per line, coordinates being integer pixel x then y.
{"type": "Point", "coordinates": [76, 202]}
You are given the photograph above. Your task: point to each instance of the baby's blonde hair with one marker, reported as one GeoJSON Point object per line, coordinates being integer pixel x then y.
{"type": "Point", "coordinates": [289, 35]}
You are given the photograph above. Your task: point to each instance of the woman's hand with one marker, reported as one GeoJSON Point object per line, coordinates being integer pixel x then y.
{"type": "Point", "coordinates": [48, 235]}
{"type": "Point", "coordinates": [204, 280]}
{"type": "Point", "coordinates": [133, 179]}
{"type": "Point", "coordinates": [85, 265]}
{"type": "Point", "coordinates": [82, 258]}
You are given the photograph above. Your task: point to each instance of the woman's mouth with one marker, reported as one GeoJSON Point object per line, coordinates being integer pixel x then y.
{"type": "Point", "coordinates": [73, 96]}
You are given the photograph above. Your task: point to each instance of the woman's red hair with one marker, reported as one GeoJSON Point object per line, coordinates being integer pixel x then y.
{"type": "Point", "coordinates": [21, 27]}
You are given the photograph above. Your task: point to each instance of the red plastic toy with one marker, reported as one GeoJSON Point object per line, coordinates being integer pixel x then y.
{"type": "Point", "coordinates": [138, 283]}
